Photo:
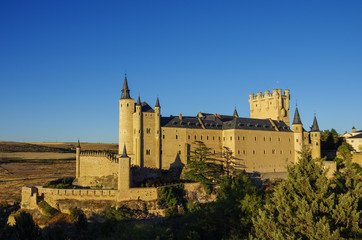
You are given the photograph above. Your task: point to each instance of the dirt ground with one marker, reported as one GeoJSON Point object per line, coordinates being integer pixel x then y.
{"type": "Point", "coordinates": [32, 169]}
{"type": "Point", "coordinates": [29, 167]}
{"type": "Point", "coordinates": [84, 146]}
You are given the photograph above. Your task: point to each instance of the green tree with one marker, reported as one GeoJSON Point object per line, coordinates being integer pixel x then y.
{"type": "Point", "coordinates": [229, 162]}
{"type": "Point", "coordinates": [25, 228]}
{"type": "Point", "coordinates": [330, 139]}
{"type": "Point", "coordinates": [344, 151]}
{"type": "Point", "coordinates": [308, 206]}
{"type": "Point", "coordinates": [202, 168]}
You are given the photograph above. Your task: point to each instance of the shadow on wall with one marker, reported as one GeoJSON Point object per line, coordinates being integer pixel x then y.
{"type": "Point", "coordinates": [143, 177]}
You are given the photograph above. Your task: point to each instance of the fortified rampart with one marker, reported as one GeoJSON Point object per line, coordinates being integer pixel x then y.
{"type": "Point", "coordinates": [60, 198]}
{"type": "Point", "coordinates": [97, 169]}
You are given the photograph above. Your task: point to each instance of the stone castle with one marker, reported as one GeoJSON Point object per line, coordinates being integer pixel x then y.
{"type": "Point", "coordinates": [262, 143]}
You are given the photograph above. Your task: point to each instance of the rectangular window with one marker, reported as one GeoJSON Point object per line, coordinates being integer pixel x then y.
{"type": "Point", "coordinates": [148, 151]}
{"type": "Point", "coordinates": [189, 137]}
{"type": "Point", "coordinates": [176, 137]}
{"type": "Point", "coordinates": [163, 136]}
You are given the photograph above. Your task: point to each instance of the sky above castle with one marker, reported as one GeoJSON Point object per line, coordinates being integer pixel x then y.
{"type": "Point", "coordinates": [62, 63]}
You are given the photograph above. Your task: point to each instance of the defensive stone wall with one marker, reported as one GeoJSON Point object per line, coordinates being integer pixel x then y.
{"type": "Point", "coordinates": [31, 196]}
{"type": "Point", "coordinates": [98, 169]}
{"type": "Point", "coordinates": [357, 158]}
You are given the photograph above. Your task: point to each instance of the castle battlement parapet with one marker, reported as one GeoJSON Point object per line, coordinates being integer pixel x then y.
{"type": "Point", "coordinates": [111, 157]}
{"type": "Point", "coordinates": [276, 93]}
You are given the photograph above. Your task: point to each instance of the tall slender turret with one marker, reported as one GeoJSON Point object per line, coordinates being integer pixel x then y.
{"type": "Point", "coordinates": [315, 139]}
{"type": "Point", "coordinates": [297, 128]}
{"type": "Point", "coordinates": [77, 160]}
{"type": "Point", "coordinates": [138, 133]}
{"type": "Point", "coordinates": [126, 110]}
{"type": "Point", "coordinates": [158, 133]}
{"type": "Point", "coordinates": [124, 176]}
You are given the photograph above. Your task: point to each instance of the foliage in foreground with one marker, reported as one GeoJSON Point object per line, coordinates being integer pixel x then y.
{"type": "Point", "coordinates": [309, 206]}
{"type": "Point", "coordinates": [202, 168]}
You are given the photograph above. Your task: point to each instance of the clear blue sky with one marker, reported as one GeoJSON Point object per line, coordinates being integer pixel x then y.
{"type": "Point", "coordinates": [62, 63]}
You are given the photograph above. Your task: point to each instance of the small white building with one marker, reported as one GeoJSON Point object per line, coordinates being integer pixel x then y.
{"type": "Point", "coordinates": [354, 139]}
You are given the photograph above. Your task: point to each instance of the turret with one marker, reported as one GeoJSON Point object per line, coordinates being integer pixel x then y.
{"type": "Point", "coordinates": [77, 160]}
{"type": "Point", "coordinates": [315, 139]}
{"type": "Point", "coordinates": [126, 110]}
{"type": "Point", "coordinates": [158, 133]}
{"type": "Point", "coordinates": [235, 114]}
{"type": "Point", "coordinates": [297, 128]}
{"type": "Point", "coordinates": [353, 129]}
{"type": "Point", "coordinates": [138, 133]}
{"type": "Point", "coordinates": [124, 176]}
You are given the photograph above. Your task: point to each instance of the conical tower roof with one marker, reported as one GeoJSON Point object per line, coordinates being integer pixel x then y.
{"type": "Point", "coordinates": [235, 114]}
{"type": "Point", "coordinates": [157, 103]}
{"type": "Point", "coordinates": [297, 119]}
{"type": "Point", "coordinates": [315, 127]}
{"type": "Point", "coordinates": [125, 90]}
{"type": "Point", "coordinates": [138, 101]}
{"type": "Point", "coordinates": [124, 154]}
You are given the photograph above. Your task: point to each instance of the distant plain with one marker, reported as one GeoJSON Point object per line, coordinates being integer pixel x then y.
{"type": "Point", "coordinates": [36, 163]}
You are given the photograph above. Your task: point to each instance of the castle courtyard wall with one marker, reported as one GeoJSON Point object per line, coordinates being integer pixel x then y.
{"type": "Point", "coordinates": [97, 170]}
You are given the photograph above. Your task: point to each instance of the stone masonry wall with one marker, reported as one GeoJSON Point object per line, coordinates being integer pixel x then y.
{"type": "Point", "coordinates": [98, 169]}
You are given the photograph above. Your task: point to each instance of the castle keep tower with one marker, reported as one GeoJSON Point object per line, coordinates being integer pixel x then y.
{"type": "Point", "coordinates": [126, 110]}
{"type": "Point", "coordinates": [273, 105]}
{"type": "Point", "coordinates": [315, 139]}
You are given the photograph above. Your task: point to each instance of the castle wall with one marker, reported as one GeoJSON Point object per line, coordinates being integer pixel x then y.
{"type": "Point", "coordinates": [174, 151]}
{"type": "Point", "coordinates": [97, 170]}
{"type": "Point", "coordinates": [63, 198]}
{"type": "Point", "coordinates": [262, 151]}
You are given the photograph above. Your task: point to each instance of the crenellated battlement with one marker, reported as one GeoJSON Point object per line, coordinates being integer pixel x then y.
{"type": "Point", "coordinates": [274, 105]}
{"type": "Point", "coordinates": [276, 93]}
{"type": "Point", "coordinates": [109, 156]}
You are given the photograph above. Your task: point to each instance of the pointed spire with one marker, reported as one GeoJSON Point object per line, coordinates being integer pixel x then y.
{"type": "Point", "coordinates": [297, 119]}
{"type": "Point", "coordinates": [157, 102]}
{"type": "Point", "coordinates": [78, 146]}
{"type": "Point", "coordinates": [138, 101]}
{"type": "Point", "coordinates": [124, 154]}
{"type": "Point", "coordinates": [125, 90]}
{"type": "Point", "coordinates": [315, 127]}
{"type": "Point", "coordinates": [235, 114]}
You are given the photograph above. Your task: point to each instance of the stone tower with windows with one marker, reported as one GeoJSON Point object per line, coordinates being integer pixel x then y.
{"type": "Point", "coordinates": [126, 110]}
{"type": "Point", "coordinates": [297, 128]}
{"type": "Point", "coordinates": [315, 139]}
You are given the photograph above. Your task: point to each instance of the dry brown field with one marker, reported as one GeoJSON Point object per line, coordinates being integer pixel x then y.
{"type": "Point", "coordinates": [18, 169]}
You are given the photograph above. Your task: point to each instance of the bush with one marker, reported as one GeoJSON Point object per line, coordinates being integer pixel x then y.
{"type": "Point", "coordinates": [47, 210]}
{"type": "Point", "coordinates": [25, 227]}
{"type": "Point", "coordinates": [122, 213]}
{"type": "Point", "coordinates": [61, 183]}
{"type": "Point", "coordinates": [171, 197]}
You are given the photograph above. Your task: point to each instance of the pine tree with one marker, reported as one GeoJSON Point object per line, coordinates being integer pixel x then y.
{"type": "Point", "coordinates": [309, 206]}
{"type": "Point", "coordinates": [202, 168]}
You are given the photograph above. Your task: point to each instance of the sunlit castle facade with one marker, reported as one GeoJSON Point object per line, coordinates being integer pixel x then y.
{"type": "Point", "coordinates": [263, 143]}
